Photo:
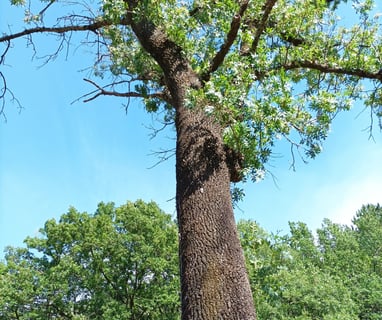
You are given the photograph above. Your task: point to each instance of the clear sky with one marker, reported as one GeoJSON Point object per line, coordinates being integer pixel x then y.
{"type": "Point", "coordinates": [54, 154]}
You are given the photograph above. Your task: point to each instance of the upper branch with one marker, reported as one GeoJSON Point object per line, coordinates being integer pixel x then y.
{"type": "Point", "coordinates": [46, 8]}
{"type": "Point", "coordinates": [231, 36]}
{"type": "Point", "coordinates": [262, 24]}
{"type": "Point", "coordinates": [336, 70]}
{"type": "Point", "coordinates": [59, 30]}
{"type": "Point", "coordinates": [6, 39]}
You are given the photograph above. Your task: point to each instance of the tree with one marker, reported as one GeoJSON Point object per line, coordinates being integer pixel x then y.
{"type": "Point", "coordinates": [18, 278]}
{"type": "Point", "coordinates": [368, 230]}
{"type": "Point", "coordinates": [234, 76]}
{"type": "Point", "coordinates": [368, 227]}
{"type": "Point", "coordinates": [120, 263]}
{"type": "Point", "coordinates": [353, 254]}
{"type": "Point", "coordinates": [288, 278]}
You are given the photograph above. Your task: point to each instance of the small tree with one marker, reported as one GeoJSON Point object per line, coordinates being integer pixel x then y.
{"type": "Point", "coordinates": [233, 75]}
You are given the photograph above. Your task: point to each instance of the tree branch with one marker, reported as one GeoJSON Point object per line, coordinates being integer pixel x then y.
{"type": "Point", "coordinates": [100, 91]}
{"type": "Point", "coordinates": [263, 22]}
{"type": "Point", "coordinates": [112, 284]}
{"type": "Point", "coordinates": [163, 156]}
{"type": "Point", "coordinates": [59, 30]}
{"type": "Point", "coordinates": [4, 89]}
{"type": "Point", "coordinates": [330, 69]}
{"type": "Point", "coordinates": [46, 8]}
{"type": "Point", "coordinates": [231, 36]}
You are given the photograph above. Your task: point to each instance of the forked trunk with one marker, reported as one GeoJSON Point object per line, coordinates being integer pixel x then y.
{"type": "Point", "coordinates": [213, 275]}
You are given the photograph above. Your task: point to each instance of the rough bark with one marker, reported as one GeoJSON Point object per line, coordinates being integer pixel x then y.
{"type": "Point", "coordinates": [213, 276]}
{"type": "Point", "coordinates": [214, 282]}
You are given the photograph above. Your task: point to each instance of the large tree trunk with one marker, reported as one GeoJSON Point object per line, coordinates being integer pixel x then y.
{"type": "Point", "coordinates": [214, 281]}
{"type": "Point", "coordinates": [213, 275]}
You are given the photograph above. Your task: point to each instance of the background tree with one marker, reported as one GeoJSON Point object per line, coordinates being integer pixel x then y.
{"type": "Point", "coordinates": [120, 263]}
{"type": "Point", "coordinates": [66, 273]}
{"type": "Point", "coordinates": [286, 281]}
{"type": "Point", "coordinates": [233, 75]}
{"type": "Point", "coordinates": [334, 275]}
{"type": "Point", "coordinates": [353, 253]}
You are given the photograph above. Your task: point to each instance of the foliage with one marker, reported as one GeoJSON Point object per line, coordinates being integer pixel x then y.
{"type": "Point", "coordinates": [347, 253]}
{"type": "Point", "coordinates": [334, 276]}
{"type": "Point", "coordinates": [301, 73]}
{"type": "Point", "coordinates": [269, 69]}
{"type": "Point", "coordinates": [120, 263]}
{"type": "Point", "coordinates": [79, 268]}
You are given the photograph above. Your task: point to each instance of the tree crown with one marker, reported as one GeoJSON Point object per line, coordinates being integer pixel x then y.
{"type": "Point", "coordinates": [268, 70]}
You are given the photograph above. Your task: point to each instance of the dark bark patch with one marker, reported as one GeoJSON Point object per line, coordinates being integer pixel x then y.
{"type": "Point", "coordinates": [235, 162]}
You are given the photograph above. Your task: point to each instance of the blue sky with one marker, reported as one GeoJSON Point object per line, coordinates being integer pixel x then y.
{"type": "Point", "coordinates": [54, 154]}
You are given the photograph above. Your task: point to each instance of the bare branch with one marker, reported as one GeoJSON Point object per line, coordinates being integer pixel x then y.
{"type": "Point", "coordinates": [64, 41]}
{"type": "Point", "coordinates": [4, 89]}
{"type": "Point", "coordinates": [295, 146]}
{"type": "Point", "coordinates": [163, 156]}
{"type": "Point", "coordinates": [2, 94]}
{"type": "Point", "coordinates": [59, 30]}
{"type": "Point", "coordinates": [100, 91]}
{"type": "Point", "coordinates": [263, 22]}
{"type": "Point", "coordinates": [2, 78]}
{"type": "Point", "coordinates": [2, 57]}
{"type": "Point", "coordinates": [231, 36]}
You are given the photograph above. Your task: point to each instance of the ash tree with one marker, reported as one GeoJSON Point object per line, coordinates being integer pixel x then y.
{"type": "Point", "coordinates": [233, 76]}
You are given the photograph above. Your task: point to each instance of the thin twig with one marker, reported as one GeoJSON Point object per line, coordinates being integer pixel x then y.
{"type": "Point", "coordinates": [164, 155]}
{"type": "Point", "coordinates": [7, 46]}
{"type": "Point", "coordinates": [102, 92]}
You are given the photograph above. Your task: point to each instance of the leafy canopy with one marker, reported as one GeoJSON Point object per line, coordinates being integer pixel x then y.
{"type": "Point", "coordinates": [270, 69]}
{"type": "Point", "coordinates": [290, 81]}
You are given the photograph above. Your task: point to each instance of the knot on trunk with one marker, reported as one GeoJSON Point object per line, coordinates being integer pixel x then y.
{"type": "Point", "coordinates": [235, 162]}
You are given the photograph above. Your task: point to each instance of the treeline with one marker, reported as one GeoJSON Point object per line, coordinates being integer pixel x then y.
{"type": "Point", "coordinates": [333, 275]}
{"type": "Point", "coordinates": [122, 263]}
